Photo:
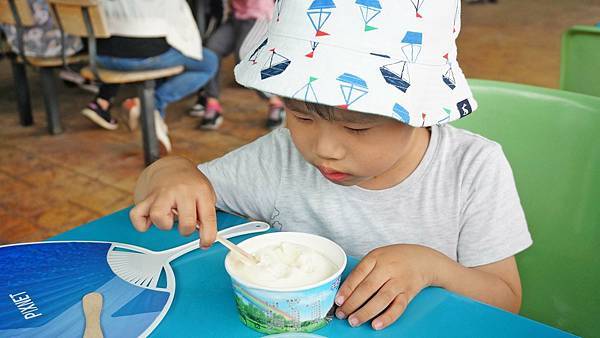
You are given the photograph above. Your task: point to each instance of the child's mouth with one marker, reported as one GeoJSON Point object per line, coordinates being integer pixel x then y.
{"type": "Point", "coordinates": [333, 175]}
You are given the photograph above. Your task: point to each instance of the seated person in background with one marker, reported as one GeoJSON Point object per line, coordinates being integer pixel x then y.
{"type": "Point", "coordinates": [226, 40]}
{"type": "Point", "coordinates": [146, 35]}
{"type": "Point", "coordinates": [42, 40]}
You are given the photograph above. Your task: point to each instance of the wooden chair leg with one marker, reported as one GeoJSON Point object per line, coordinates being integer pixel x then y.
{"type": "Point", "coordinates": [146, 95]}
{"type": "Point", "coordinates": [50, 100]}
{"type": "Point", "coordinates": [22, 90]}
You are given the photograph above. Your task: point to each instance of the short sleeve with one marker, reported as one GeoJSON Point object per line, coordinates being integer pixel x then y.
{"type": "Point", "coordinates": [493, 225]}
{"type": "Point", "coordinates": [247, 179]}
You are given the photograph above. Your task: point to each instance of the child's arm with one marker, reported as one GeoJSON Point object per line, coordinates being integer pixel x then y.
{"type": "Point", "coordinates": [175, 183]}
{"type": "Point", "coordinates": [393, 275]}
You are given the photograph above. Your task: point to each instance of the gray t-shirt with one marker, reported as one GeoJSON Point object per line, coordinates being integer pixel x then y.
{"type": "Point", "coordinates": [461, 200]}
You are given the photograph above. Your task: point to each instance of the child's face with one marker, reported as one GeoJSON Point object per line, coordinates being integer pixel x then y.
{"type": "Point", "coordinates": [352, 148]}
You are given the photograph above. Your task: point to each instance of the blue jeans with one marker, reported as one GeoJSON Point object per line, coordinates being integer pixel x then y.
{"type": "Point", "coordinates": [196, 74]}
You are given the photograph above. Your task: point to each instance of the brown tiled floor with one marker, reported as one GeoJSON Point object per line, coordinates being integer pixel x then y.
{"type": "Point", "coordinates": [49, 184]}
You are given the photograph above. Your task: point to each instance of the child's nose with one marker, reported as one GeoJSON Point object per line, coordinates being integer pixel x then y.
{"type": "Point", "coordinates": [328, 146]}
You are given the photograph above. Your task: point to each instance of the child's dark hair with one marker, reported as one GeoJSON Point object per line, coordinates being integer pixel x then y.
{"type": "Point", "coordinates": [324, 111]}
{"type": "Point", "coordinates": [330, 113]}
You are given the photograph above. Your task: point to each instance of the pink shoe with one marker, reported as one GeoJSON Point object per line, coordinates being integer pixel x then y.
{"type": "Point", "coordinates": [212, 118]}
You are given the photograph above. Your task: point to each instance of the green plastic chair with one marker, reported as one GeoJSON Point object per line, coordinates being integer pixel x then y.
{"type": "Point", "coordinates": [580, 60]}
{"type": "Point", "coordinates": [552, 141]}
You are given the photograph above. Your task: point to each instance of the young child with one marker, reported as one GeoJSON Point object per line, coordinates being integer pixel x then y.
{"type": "Point", "coordinates": [364, 160]}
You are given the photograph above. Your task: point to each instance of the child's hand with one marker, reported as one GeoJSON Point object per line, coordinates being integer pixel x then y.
{"type": "Point", "coordinates": [174, 183]}
{"type": "Point", "coordinates": [384, 282]}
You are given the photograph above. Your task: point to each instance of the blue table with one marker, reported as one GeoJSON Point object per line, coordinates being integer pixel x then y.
{"type": "Point", "coordinates": [204, 305]}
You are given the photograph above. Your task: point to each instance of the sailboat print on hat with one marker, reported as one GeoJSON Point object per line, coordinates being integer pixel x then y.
{"type": "Point", "coordinates": [397, 75]}
{"type": "Point", "coordinates": [353, 88]}
{"type": "Point", "coordinates": [276, 65]}
{"type": "Point", "coordinates": [448, 77]}
{"type": "Point", "coordinates": [318, 13]}
{"type": "Point", "coordinates": [369, 10]}
{"type": "Point", "coordinates": [412, 45]}
{"type": "Point", "coordinates": [257, 51]}
{"type": "Point", "coordinates": [307, 92]}
{"type": "Point", "coordinates": [401, 114]}
{"type": "Point", "coordinates": [313, 46]}
{"type": "Point", "coordinates": [417, 5]}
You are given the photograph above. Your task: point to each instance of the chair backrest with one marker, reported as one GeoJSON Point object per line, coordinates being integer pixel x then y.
{"type": "Point", "coordinates": [71, 16]}
{"type": "Point", "coordinates": [23, 10]}
{"type": "Point", "coordinates": [580, 60]}
{"type": "Point", "coordinates": [552, 141]}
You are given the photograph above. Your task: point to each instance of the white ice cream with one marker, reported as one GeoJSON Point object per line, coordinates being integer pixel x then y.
{"type": "Point", "coordinates": [285, 265]}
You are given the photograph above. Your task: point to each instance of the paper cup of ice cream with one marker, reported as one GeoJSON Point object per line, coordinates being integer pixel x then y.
{"type": "Point", "coordinates": [293, 287]}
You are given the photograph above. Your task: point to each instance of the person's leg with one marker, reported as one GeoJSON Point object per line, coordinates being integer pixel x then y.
{"type": "Point", "coordinates": [106, 94]}
{"type": "Point", "coordinates": [222, 43]}
{"type": "Point", "coordinates": [98, 110]}
{"type": "Point", "coordinates": [242, 28]}
{"type": "Point", "coordinates": [196, 74]}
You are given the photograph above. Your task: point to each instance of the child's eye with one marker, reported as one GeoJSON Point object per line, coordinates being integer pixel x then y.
{"type": "Point", "coordinates": [303, 118]}
{"type": "Point", "coordinates": [357, 130]}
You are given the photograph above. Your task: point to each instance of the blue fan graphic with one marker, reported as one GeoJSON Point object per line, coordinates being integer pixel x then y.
{"type": "Point", "coordinates": [55, 276]}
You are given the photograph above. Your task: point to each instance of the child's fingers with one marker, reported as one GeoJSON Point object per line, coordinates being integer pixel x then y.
{"type": "Point", "coordinates": [187, 216]}
{"type": "Point", "coordinates": [161, 214]}
{"type": "Point", "coordinates": [140, 215]}
{"type": "Point", "coordinates": [395, 310]}
{"type": "Point", "coordinates": [362, 293]}
{"type": "Point", "coordinates": [360, 272]}
{"type": "Point", "coordinates": [377, 304]}
{"type": "Point", "coordinates": [207, 216]}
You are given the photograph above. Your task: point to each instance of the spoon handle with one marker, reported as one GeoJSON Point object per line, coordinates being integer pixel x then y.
{"type": "Point", "coordinates": [248, 258]}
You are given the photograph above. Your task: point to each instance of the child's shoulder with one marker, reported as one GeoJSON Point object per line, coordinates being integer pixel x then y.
{"type": "Point", "coordinates": [279, 138]}
{"type": "Point", "coordinates": [277, 145]}
{"type": "Point", "coordinates": [468, 153]}
{"type": "Point", "coordinates": [461, 141]}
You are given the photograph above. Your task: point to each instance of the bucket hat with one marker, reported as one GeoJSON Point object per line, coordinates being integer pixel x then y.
{"type": "Point", "coordinates": [395, 58]}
